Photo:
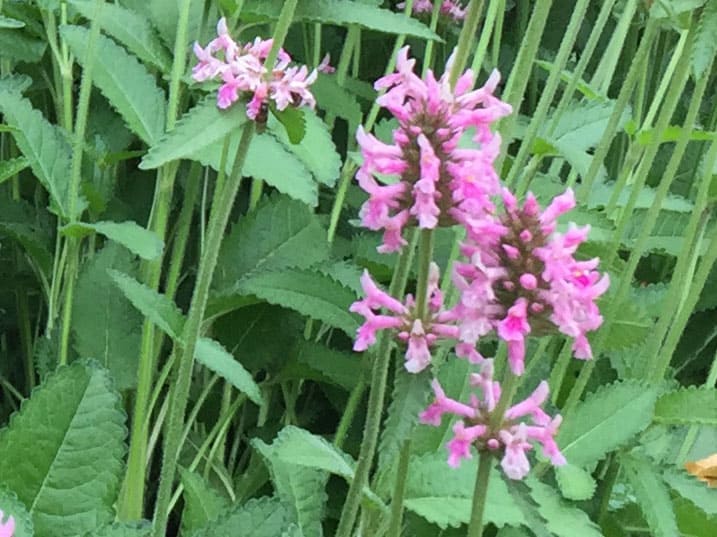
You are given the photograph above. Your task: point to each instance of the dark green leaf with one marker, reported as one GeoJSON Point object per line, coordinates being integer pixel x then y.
{"type": "Point", "coordinates": [292, 119]}
{"type": "Point", "coordinates": [263, 517]}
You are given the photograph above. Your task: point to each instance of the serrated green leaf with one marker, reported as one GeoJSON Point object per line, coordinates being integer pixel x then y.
{"type": "Point", "coordinates": [45, 147]}
{"type": "Point", "coordinates": [132, 30]}
{"type": "Point", "coordinates": [337, 100]}
{"type": "Point", "coordinates": [574, 482]}
{"type": "Point", "coordinates": [10, 506]}
{"type": "Point", "coordinates": [201, 127]}
{"type": "Point", "coordinates": [202, 504]}
{"type": "Point", "coordinates": [343, 13]}
{"type": "Point", "coordinates": [157, 307]}
{"type": "Point", "coordinates": [263, 517]}
{"type": "Point", "coordinates": [605, 420]}
{"type": "Point", "coordinates": [125, 82]}
{"type": "Point", "coordinates": [138, 240]}
{"type": "Point", "coordinates": [281, 233]}
{"type": "Point", "coordinates": [687, 406]}
{"type": "Point", "coordinates": [300, 487]}
{"type": "Point", "coordinates": [652, 495]}
{"type": "Point", "coordinates": [164, 15]}
{"type": "Point", "coordinates": [52, 462]}
{"type": "Point", "coordinates": [17, 45]}
{"type": "Point", "coordinates": [630, 327]}
{"type": "Point", "coordinates": [105, 325]}
{"type": "Point", "coordinates": [212, 355]}
{"type": "Point", "coordinates": [705, 45]}
{"type": "Point", "coordinates": [299, 447]}
{"type": "Point", "coordinates": [132, 529]}
{"type": "Point", "coordinates": [693, 490]}
{"type": "Point", "coordinates": [443, 495]}
{"type": "Point", "coordinates": [339, 367]}
{"type": "Point", "coordinates": [10, 168]}
{"type": "Point", "coordinates": [8, 22]}
{"type": "Point", "coordinates": [310, 293]}
{"type": "Point", "coordinates": [562, 520]}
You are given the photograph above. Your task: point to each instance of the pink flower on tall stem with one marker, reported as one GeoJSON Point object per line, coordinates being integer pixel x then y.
{"type": "Point", "coordinates": [7, 528]}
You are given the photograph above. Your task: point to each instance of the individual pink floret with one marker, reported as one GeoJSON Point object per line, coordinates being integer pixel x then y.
{"type": "Point", "coordinates": [7, 528]}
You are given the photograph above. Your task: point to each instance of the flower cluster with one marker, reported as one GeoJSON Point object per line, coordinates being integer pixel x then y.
{"type": "Point", "coordinates": [7, 528]}
{"type": "Point", "coordinates": [513, 434]}
{"type": "Point", "coordinates": [242, 69]}
{"type": "Point", "coordinates": [449, 8]}
{"type": "Point", "coordinates": [438, 181]}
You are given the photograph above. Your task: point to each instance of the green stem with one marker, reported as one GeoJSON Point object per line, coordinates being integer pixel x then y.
{"type": "Point", "coordinates": [610, 57]}
{"type": "Point", "coordinates": [485, 462]}
{"type": "Point", "coordinates": [488, 28]}
{"type": "Point", "coordinates": [399, 491]}
{"type": "Point", "coordinates": [466, 40]}
{"type": "Point", "coordinates": [349, 412]}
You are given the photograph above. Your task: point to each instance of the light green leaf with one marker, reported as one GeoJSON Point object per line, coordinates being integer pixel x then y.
{"type": "Point", "coordinates": [212, 355]}
{"type": "Point", "coordinates": [138, 240]}
{"type": "Point", "coordinates": [630, 327]}
{"type": "Point", "coordinates": [202, 504]}
{"type": "Point", "coordinates": [7, 22]}
{"type": "Point", "coordinates": [652, 495]}
{"type": "Point", "coordinates": [299, 447]}
{"type": "Point", "coordinates": [45, 147]}
{"type": "Point", "coordinates": [157, 307]}
{"type": "Point", "coordinates": [105, 325]}
{"type": "Point", "coordinates": [17, 45]}
{"type": "Point", "coordinates": [15, 82]}
{"type": "Point", "coordinates": [344, 13]}
{"type": "Point", "coordinates": [605, 420]}
{"type": "Point", "coordinates": [132, 30]}
{"type": "Point", "coordinates": [691, 489]}
{"type": "Point", "coordinates": [688, 406]}
{"type": "Point", "coordinates": [132, 529]}
{"type": "Point", "coordinates": [263, 517]}
{"type": "Point", "coordinates": [310, 293]}
{"type": "Point", "coordinates": [705, 46]}
{"type": "Point", "coordinates": [68, 477]}
{"type": "Point", "coordinates": [126, 83]}
{"type": "Point", "coordinates": [12, 507]}
{"type": "Point", "coordinates": [562, 520]}
{"type": "Point", "coordinates": [574, 482]}
{"type": "Point", "coordinates": [10, 168]}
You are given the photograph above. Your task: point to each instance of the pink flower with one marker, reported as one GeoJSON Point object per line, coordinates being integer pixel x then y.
{"type": "Point", "coordinates": [325, 65]}
{"type": "Point", "coordinates": [449, 8]}
{"type": "Point", "coordinates": [7, 528]}
{"type": "Point", "coordinates": [440, 182]}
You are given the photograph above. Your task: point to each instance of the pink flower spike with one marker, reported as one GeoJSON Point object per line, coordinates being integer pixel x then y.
{"type": "Point", "coordinates": [7, 528]}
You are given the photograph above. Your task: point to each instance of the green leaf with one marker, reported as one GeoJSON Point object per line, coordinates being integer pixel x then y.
{"type": "Point", "coordinates": [46, 149]}
{"type": "Point", "coordinates": [7, 22]}
{"type": "Point", "coordinates": [138, 240]}
{"type": "Point", "coordinates": [131, 29]}
{"type": "Point", "coordinates": [23, 223]}
{"type": "Point", "coordinates": [201, 127]}
{"type": "Point", "coordinates": [202, 504]}
{"type": "Point", "coordinates": [574, 482]}
{"type": "Point", "coordinates": [299, 447]}
{"type": "Point", "coordinates": [688, 406]}
{"type": "Point", "coordinates": [562, 520]}
{"type": "Point", "coordinates": [293, 121]}
{"type": "Point", "coordinates": [705, 46]}
{"type": "Point", "coordinates": [581, 85]}
{"type": "Point", "coordinates": [125, 82]}
{"type": "Point", "coordinates": [341, 368]}
{"type": "Point", "coordinates": [212, 355]}
{"type": "Point", "coordinates": [605, 420]}
{"type": "Point", "coordinates": [105, 325]}
{"type": "Point", "coordinates": [281, 233]}
{"type": "Point", "coordinates": [132, 529]}
{"type": "Point", "coordinates": [652, 495]}
{"type": "Point", "coordinates": [15, 82]}
{"type": "Point", "coordinates": [344, 13]}
{"type": "Point", "coordinates": [692, 521]}
{"type": "Point", "coordinates": [693, 490]}
{"type": "Point", "coordinates": [157, 307]}
{"type": "Point", "coordinates": [263, 517]}
{"type": "Point", "coordinates": [310, 293]}
{"type": "Point", "coordinates": [11, 506]}
{"type": "Point", "coordinates": [17, 45]}
{"type": "Point", "coordinates": [300, 487]}
{"type": "Point", "coordinates": [62, 453]}
{"type": "Point", "coordinates": [337, 100]}
{"type": "Point", "coordinates": [443, 495]}
{"type": "Point", "coordinates": [10, 168]}
{"type": "Point", "coordinates": [630, 327]}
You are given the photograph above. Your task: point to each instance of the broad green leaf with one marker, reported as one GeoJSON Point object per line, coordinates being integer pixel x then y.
{"type": "Point", "coordinates": [337, 100]}
{"type": "Point", "coordinates": [157, 307]}
{"type": "Point", "coordinates": [691, 489]}
{"type": "Point", "coordinates": [105, 325]}
{"type": "Point", "coordinates": [212, 355]}
{"type": "Point", "coordinates": [310, 293]}
{"type": "Point", "coordinates": [201, 127]}
{"type": "Point", "coordinates": [299, 447]}
{"type": "Point", "coordinates": [62, 453]}
{"type": "Point", "coordinates": [443, 495]}
{"type": "Point", "coordinates": [15, 82]}
{"type": "Point", "coordinates": [17, 45]}
{"type": "Point", "coordinates": [132, 529]}
{"type": "Point", "coordinates": [692, 521]}
{"type": "Point", "coordinates": [10, 506]}
{"type": "Point", "coordinates": [280, 233]}
{"type": "Point", "coordinates": [562, 520]}
{"type": "Point", "coordinates": [262, 517]}
{"type": "Point", "coordinates": [705, 46]}
{"type": "Point", "coordinates": [164, 15]}
{"type": "Point", "coordinates": [605, 420]}
{"type": "Point", "coordinates": [574, 482]}
{"type": "Point", "coordinates": [132, 30]}
{"type": "Point", "coordinates": [629, 327]}
{"type": "Point", "coordinates": [688, 406]}
{"type": "Point", "coordinates": [316, 149]}
{"type": "Point", "coordinates": [293, 122]}
{"type": "Point", "coordinates": [300, 487]}
{"type": "Point", "coordinates": [341, 368]}
{"type": "Point", "coordinates": [138, 240]}
{"type": "Point", "coordinates": [46, 149]}
{"type": "Point", "coordinates": [8, 22]}
{"type": "Point", "coordinates": [652, 495]}
{"type": "Point", "coordinates": [344, 13]}
{"type": "Point", "coordinates": [126, 83]}
{"type": "Point", "coordinates": [202, 504]}
{"type": "Point", "coordinates": [10, 168]}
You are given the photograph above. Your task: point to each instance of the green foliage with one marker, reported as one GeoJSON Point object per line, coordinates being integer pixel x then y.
{"type": "Point", "coordinates": [126, 83]}
{"type": "Point", "coordinates": [19, 46]}
{"type": "Point", "coordinates": [67, 476]}
{"type": "Point", "coordinates": [136, 529]}
{"type": "Point", "coordinates": [212, 355]}
{"type": "Point", "coordinates": [263, 517]}
{"type": "Point", "coordinates": [693, 490]}
{"type": "Point", "coordinates": [299, 447]}
{"type": "Point", "coordinates": [705, 46]}
{"type": "Point", "coordinates": [688, 406]}
{"type": "Point", "coordinates": [574, 482]}
{"type": "Point", "coordinates": [605, 420]}
{"type": "Point", "coordinates": [8, 22]}
{"type": "Point", "coordinates": [10, 168]}
{"type": "Point", "coordinates": [138, 240]}
{"type": "Point", "coordinates": [202, 504]}
{"type": "Point", "coordinates": [561, 519]}
{"type": "Point", "coordinates": [46, 148]}
{"type": "Point", "coordinates": [11, 506]}
{"type": "Point", "coordinates": [336, 100]}
{"type": "Point", "coordinates": [344, 12]}
{"type": "Point", "coordinates": [340, 368]}
{"type": "Point", "coordinates": [105, 325]}
{"type": "Point", "coordinates": [652, 495]}
{"type": "Point", "coordinates": [293, 122]}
